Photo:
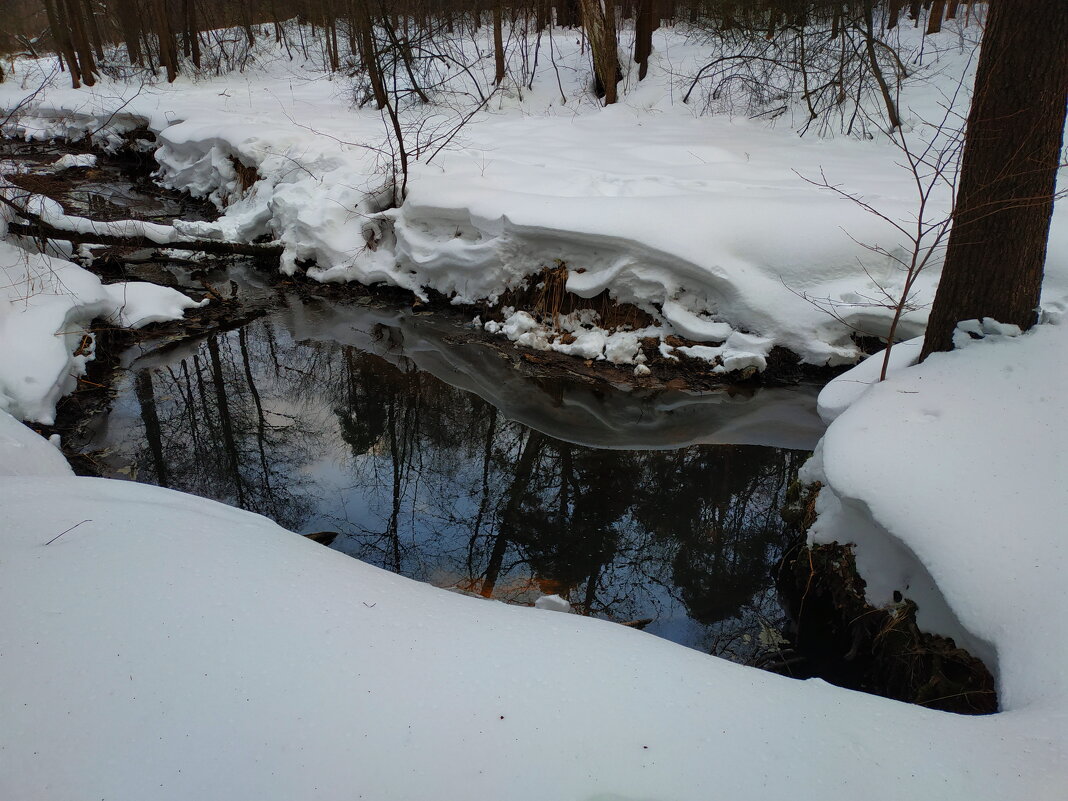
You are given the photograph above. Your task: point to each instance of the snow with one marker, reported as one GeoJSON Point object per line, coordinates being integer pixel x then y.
{"type": "Point", "coordinates": [165, 646]}
{"type": "Point", "coordinates": [168, 647]}
{"type": "Point", "coordinates": [553, 603]}
{"type": "Point", "coordinates": [843, 390]}
{"type": "Point", "coordinates": [21, 453]}
{"type": "Point", "coordinates": [218, 656]}
{"type": "Point", "coordinates": [705, 222]}
{"type": "Point", "coordinates": [72, 160]}
{"type": "Point", "coordinates": [46, 306]}
{"type": "Point", "coordinates": [576, 334]}
{"type": "Point", "coordinates": [982, 516]}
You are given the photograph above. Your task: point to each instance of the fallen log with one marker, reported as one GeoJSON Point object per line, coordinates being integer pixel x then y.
{"type": "Point", "coordinates": [38, 230]}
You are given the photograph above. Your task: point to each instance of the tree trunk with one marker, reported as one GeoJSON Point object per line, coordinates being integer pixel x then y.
{"type": "Point", "coordinates": [877, 71]}
{"type": "Point", "coordinates": [997, 247]}
{"type": "Point", "coordinates": [93, 28]}
{"type": "Point", "coordinates": [567, 14]}
{"type": "Point", "coordinates": [498, 45]}
{"type": "Point", "coordinates": [168, 51]}
{"type": "Point", "coordinates": [130, 22]}
{"type": "Point", "coordinates": [644, 25]}
{"type": "Point", "coordinates": [57, 22]}
{"type": "Point", "coordinates": [934, 16]}
{"type": "Point", "coordinates": [603, 48]}
{"type": "Point", "coordinates": [365, 24]}
{"type": "Point", "coordinates": [893, 12]}
{"type": "Point", "coordinates": [80, 36]}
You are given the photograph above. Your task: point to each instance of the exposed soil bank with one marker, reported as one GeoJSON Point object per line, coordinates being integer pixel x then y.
{"type": "Point", "coordinates": [843, 639]}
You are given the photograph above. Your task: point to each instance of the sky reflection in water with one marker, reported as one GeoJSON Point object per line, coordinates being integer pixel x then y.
{"type": "Point", "coordinates": [437, 483]}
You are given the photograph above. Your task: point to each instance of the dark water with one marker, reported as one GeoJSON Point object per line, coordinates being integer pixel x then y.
{"type": "Point", "coordinates": [439, 461]}
{"type": "Point", "coordinates": [118, 187]}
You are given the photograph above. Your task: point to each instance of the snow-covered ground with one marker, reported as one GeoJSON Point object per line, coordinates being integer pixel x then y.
{"type": "Point", "coordinates": [706, 222]}
{"type": "Point", "coordinates": [46, 306]}
{"type": "Point", "coordinates": [168, 647]}
{"type": "Point", "coordinates": [160, 646]}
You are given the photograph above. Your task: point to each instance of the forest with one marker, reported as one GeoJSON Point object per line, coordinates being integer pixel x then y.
{"type": "Point", "coordinates": [584, 399]}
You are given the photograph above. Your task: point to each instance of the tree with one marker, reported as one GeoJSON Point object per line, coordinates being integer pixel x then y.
{"type": "Point", "coordinates": [599, 21]}
{"type": "Point", "coordinates": [498, 44]}
{"type": "Point", "coordinates": [997, 246]}
{"type": "Point", "coordinates": [645, 22]}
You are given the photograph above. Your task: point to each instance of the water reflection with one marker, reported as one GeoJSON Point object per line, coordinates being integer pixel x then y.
{"type": "Point", "coordinates": [434, 482]}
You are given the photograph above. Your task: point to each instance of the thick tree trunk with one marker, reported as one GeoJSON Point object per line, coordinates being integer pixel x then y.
{"type": "Point", "coordinates": [130, 22]}
{"type": "Point", "coordinates": [603, 48]}
{"type": "Point", "coordinates": [79, 34]}
{"type": "Point", "coordinates": [934, 16]}
{"type": "Point", "coordinates": [168, 51]}
{"type": "Point", "coordinates": [568, 14]}
{"type": "Point", "coordinates": [997, 247]}
{"type": "Point", "coordinates": [365, 24]}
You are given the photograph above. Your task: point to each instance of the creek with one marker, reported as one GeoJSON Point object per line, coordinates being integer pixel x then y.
{"type": "Point", "coordinates": [425, 450]}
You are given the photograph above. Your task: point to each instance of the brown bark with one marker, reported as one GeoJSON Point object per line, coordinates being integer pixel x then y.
{"type": "Point", "coordinates": [997, 246]}
{"type": "Point", "coordinates": [893, 13]}
{"type": "Point", "coordinates": [57, 22]}
{"type": "Point", "coordinates": [38, 230]}
{"type": "Point", "coordinates": [934, 16]}
{"type": "Point", "coordinates": [568, 14]}
{"type": "Point", "coordinates": [644, 25]}
{"type": "Point", "coordinates": [603, 48]}
{"type": "Point", "coordinates": [168, 52]}
{"type": "Point", "coordinates": [80, 38]}
{"type": "Point", "coordinates": [364, 22]}
{"type": "Point", "coordinates": [93, 28]}
{"type": "Point", "coordinates": [877, 71]}
{"type": "Point", "coordinates": [130, 23]}
{"type": "Point", "coordinates": [498, 45]}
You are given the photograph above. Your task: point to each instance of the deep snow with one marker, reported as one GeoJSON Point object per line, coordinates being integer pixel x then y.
{"type": "Point", "coordinates": [215, 655]}
{"type": "Point", "coordinates": [169, 647]}
{"type": "Point", "coordinates": [46, 306]}
{"type": "Point", "coordinates": [706, 222]}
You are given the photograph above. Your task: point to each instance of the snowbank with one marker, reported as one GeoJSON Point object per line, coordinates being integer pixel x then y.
{"type": "Point", "coordinates": [948, 478]}
{"type": "Point", "coordinates": [23, 453]}
{"type": "Point", "coordinates": [706, 223]}
{"type": "Point", "coordinates": [46, 306]}
{"type": "Point", "coordinates": [167, 647]}
{"type": "Point", "coordinates": [217, 656]}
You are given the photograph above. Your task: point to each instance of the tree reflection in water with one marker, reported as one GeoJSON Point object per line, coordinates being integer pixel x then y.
{"type": "Point", "coordinates": [435, 483]}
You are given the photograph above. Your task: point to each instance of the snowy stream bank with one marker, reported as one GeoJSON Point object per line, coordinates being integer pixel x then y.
{"type": "Point", "coordinates": [706, 224]}
{"type": "Point", "coordinates": [161, 646]}
{"type": "Point", "coordinates": [218, 656]}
